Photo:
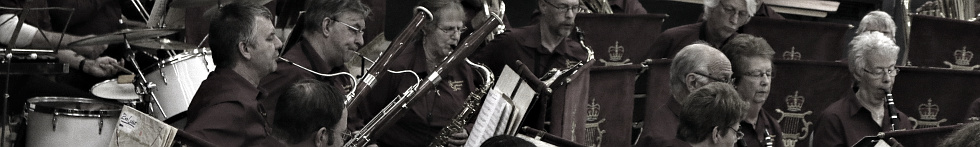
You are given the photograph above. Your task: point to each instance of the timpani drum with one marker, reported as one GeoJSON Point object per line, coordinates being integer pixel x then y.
{"type": "Point", "coordinates": [70, 121]}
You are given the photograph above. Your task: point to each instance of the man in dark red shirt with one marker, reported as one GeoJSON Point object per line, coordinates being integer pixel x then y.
{"type": "Point", "coordinates": [694, 66]}
{"type": "Point", "coordinates": [871, 59]}
{"type": "Point", "coordinates": [224, 110]}
{"type": "Point", "coordinates": [329, 35]}
{"type": "Point", "coordinates": [428, 114]}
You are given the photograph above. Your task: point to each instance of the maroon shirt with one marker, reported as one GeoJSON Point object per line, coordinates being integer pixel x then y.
{"type": "Point", "coordinates": [755, 135]}
{"type": "Point", "coordinates": [524, 44]}
{"type": "Point", "coordinates": [661, 130]}
{"type": "Point", "coordinates": [224, 112]}
{"type": "Point", "coordinates": [674, 39]}
{"type": "Point", "coordinates": [845, 122]}
{"type": "Point", "coordinates": [428, 114]}
{"type": "Point", "coordinates": [287, 74]}
{"type": "Point", "coordinates": [766, 11]}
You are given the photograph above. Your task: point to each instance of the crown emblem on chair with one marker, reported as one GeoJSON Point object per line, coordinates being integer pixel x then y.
{"type": "Point", "coordinates": [616, 53]}
{"type": "Point", "coordinates": [963, 56]}
{"type": "Point", "coordinates": [792, 54]}
{"type": "Point", "coordinates": [928, 111]}
{"type": "Point", "coordinates": [794, 123]}
{"type": "Point", "coordinates": [593, 111]}
{"type": "Point", "coordinates": [794, 102]}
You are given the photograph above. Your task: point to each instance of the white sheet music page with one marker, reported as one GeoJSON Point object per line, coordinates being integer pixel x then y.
{"type": "Point", "coordinates": [136, 128]}
{"type": "Point", "coordinates": [488, 119]}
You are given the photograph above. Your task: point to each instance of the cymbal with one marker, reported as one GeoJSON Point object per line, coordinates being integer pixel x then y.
{"type": "Point", "coordinates": [122, 36]}
{"type": "Point", "coordinates": [163, 44]}
{"type": "Point", "coordinates": [196, 3]}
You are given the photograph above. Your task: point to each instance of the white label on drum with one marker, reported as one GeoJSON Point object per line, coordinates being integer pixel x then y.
{"type": "Point", "coordinates": [128, 122]}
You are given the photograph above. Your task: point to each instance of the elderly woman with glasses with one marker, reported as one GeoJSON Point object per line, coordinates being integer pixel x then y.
{"type": "Point", "coordinates": [710, 116]}
{"type": "Point", "coordinates": [752, 67]}
{"type": "Point", "coordinates": [428, 114]}
{"type": "Point", "coordinates": [871, 60]}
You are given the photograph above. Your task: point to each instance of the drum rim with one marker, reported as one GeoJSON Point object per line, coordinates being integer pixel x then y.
{"type": "Point", "coordinates": [177, 59]}
{"type": "Point", "coordinates": [92, 90]}
{"type": "Point", "coordinates": [114, 110]}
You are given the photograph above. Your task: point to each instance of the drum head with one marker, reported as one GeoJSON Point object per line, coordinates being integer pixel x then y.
{"type": "Point", "coordinates": [109, 89]}
{"type": "Point", "coordinates": [72, 106]}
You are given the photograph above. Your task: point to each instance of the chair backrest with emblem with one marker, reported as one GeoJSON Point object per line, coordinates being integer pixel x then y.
{"type": "Point", "coordinates": [800, 40]}
{"type": "Point", "coordinates": [620, 39]}
{"type": "Point", "coordinates": [943, 42]}
{"type": "Point", "coordinates": [610, 97]}
{"type": "Point", "coordinates": [935, 97]}
{"type": "Point", "coordinates": [800, 91]}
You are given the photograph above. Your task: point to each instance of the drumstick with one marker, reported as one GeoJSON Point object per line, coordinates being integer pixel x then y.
{"type": "Point", "coordinates": [122, 68]}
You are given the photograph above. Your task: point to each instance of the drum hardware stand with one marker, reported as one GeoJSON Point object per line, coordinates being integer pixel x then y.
{"type": "Point", "coordinates": [143, 86]}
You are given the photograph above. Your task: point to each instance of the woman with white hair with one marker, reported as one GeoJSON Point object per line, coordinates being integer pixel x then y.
{"type": "Point", "coordinates": [871, 60]}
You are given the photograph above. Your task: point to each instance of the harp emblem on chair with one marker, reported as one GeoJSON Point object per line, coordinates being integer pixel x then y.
{"type": "Point", "coordinates": [794, 123]}
{"type": "Point", "coordinates": [616, 53]}
{"type": "Point", "coordinates": [927, 114]}
{"type": "Point", "coordinates": [593, 133]}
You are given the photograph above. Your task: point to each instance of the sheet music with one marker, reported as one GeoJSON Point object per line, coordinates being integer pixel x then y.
{"type": "Point", "coordinates": [487, 121]}
{"type": "Point", "coordinates": [508, 81]}
{"type": "Point", "coordinates": [139, 129]}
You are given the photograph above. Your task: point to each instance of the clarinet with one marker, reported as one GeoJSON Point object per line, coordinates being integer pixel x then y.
{"type": "Point", "coordinates": [769, 140]}
{"type": "Point", "coordinates": [891, 110]}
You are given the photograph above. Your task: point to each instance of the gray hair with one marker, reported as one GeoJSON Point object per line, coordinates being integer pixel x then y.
{"type": "Point", "coordinates": [868, 43]}
{"type": "Point", "coordinates": [691, 58]}
{"type": "Point", "coordinates": [750, 5]}
{"type": "Point", "coordinates": [876, 20]}
{"type": "Point", "coordinates": [231, 24]}
{"type": "Point", "coordinates": [714, 105]}
{"type": "Point", "coordinates": [743, 47]}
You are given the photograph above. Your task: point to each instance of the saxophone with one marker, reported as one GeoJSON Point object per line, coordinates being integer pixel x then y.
{"type": "Point", "coordinates": [473, 103]}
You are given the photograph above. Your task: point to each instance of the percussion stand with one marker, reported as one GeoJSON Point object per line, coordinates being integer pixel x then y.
{"type": "Point", "coordinates": [143, 86]}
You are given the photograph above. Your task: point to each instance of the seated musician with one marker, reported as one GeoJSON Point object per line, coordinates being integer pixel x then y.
{"type": "Point", "coordinates": [711, 115]}
{"type": "Point", "coordinates": [545, 45]}
{"type": "Point", "coordinates": [225, 110]}
{"type": "Point", "coordinates": [694, 66]}
{"type": "Point", "coordinates": [878, 21]}
{"type": "Point", "coordinates": [751, 59]}
{"type": "Point", "coordinates": [722, 18]}
{"type": "Point", "coordinates": [428, 114]}
{"type": "Point", "coordinates": [311, 114]}
{"type": "Point", "coordinates": [871, 60]}
{"type": "Point", "coordinates": [328, 36]}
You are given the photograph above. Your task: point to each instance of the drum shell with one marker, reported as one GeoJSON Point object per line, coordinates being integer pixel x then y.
{"type": "Point", "coordinates": [181, 77]}
{"type": "Point", "coordinates": [70, 127]}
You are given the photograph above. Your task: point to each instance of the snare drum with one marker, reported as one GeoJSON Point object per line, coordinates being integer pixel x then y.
{"type": "Point", "coordinates": [177, 80]}
{"type": "Point", "coordinates": [110, 89]}
{"type": "Point", "coordinates": [68, 121]}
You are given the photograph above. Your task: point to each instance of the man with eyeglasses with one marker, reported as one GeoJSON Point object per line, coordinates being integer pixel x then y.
{"type": "Point", "coordinates": [710, 117]}
{"type": "Point", "coordinates": [694, 66]}
{"type": "Point", "coordinates": [428, 114]}
{"type": "Point", "coordinates": [548, 44]}
{"type": "Point", "coordinates": [327, 36]}
{"type": "Point", "coordinates": [721, 20]}
{"type": "Point", "coordinates": [871, 60]}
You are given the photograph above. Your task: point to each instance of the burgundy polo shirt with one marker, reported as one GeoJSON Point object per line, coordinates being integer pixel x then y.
{"type": "Point", "coordinates": [845, 122]}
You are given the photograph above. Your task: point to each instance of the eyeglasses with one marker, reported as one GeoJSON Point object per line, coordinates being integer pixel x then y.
{"type": "Point", "coordinates": [879, 72]}
{"type": "Point", "coordinates": [453, 29]}
{"type": "Point", "coordinates": [566, 9]}
{"type": "Point", "coordinates": [346, 135]}
{"type": "Point", "coordinates": [352, 28]}
{"type": "Point", "coordinates": [714, 79]}
{"type": "Point", "coordinates": [738, 133]}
